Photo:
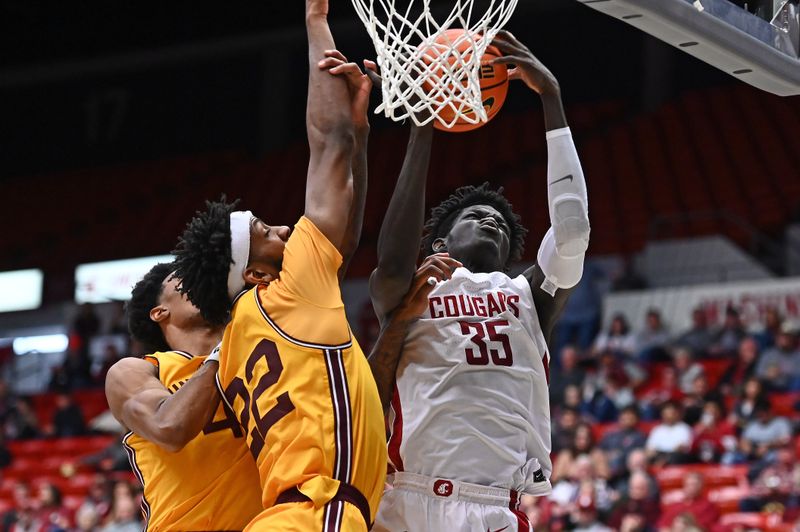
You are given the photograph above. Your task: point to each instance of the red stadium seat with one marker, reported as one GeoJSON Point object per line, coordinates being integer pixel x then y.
{"type": "Point", "coordinates": [714, 369]}
{"type": "Point", "coordinates": [671, 477]}
{"type": "Point", "coordinates": [746, 519]}
{"type": "Point", "coordinates": [727, 499]}
{"type": "Point", "coordinates": [783, 404]}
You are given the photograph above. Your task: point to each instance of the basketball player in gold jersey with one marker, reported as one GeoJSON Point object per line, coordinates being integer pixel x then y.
{"type": "Point", "coordinates": [288, 366]}
{"type": "Point", "coordinates": [185, 446]}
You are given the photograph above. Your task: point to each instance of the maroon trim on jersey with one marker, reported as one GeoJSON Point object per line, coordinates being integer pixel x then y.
{"type": "Point", "coordinates": [397, 432]}
{"type": "Point", "coordinates": [546, 364]}
{"type": "Point", "coordinates": [342, 415]}
{"type": "Point", "coordinates": [139, 475]}
{"type": "Point", "coordinates": [332, 518]}
{"type": "Point", "coordinates": [291, 339]}
{"type": "Point", "coordinates": [523, 525]}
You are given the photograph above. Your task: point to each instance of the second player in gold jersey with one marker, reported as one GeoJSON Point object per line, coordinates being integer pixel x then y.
{"type": "Point", "coordinates": [210, 484]}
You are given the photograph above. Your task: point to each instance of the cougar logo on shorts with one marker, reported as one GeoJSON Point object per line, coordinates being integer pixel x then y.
{"type": "Point", "coordinates": [443, 488]}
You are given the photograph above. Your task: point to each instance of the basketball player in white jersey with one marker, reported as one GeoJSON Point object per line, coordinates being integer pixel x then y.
{"type": "Point", "coordinates": [470, 413]}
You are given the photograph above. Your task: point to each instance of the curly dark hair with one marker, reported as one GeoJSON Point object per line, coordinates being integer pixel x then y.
{"type": "Point", "coordinates": [444, 216]}
{"type": "Point", "coordinates": [203, 260]}
{"type": "Point", "coordinates": [146, 295]}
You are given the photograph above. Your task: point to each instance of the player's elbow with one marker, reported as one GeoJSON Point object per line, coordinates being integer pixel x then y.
{"type": "Point", "coordinates": [172, 436]}
{"type": "Point", "coordinates": [335, 131]}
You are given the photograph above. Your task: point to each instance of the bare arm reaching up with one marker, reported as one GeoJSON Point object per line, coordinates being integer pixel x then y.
{"type": "Point", "coordinates": [359, 86]}
{"type": "Point", "coordinates": [331, 132]}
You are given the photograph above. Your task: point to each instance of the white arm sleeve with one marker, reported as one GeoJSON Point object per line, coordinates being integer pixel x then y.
{"type": "Point", "coordinates": [563, 248]}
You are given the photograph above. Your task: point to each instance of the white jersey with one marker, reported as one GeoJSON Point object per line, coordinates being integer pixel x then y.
{"type": "Point", "coordinates": [472, 401]}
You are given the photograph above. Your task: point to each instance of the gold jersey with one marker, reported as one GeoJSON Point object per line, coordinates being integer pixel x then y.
{"type": "Point", "coordinates": [210, 484]}
{"type": "Point", "coordinates": [300, 385]}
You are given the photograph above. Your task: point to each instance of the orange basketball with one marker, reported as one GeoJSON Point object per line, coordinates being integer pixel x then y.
{"type": "Point", "coordinates": [493, 82]}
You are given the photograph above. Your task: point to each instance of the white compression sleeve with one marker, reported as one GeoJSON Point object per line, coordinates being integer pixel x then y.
{"type": "Point", "coordinates": [564, 246]}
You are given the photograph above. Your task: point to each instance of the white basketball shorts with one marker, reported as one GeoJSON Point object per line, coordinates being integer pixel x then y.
{"type": "Point", "coordinates": [426, 504]}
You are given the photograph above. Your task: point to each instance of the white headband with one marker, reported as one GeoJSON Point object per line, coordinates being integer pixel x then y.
{"type": "Point", "coordinates": [240, 250]}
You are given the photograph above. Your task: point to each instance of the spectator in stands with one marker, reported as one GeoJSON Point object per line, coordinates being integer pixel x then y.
{"type": "Point", "coordinates": [582, 445]}
{"type": "Point", "coordinates": [584, 518]}
{"type": "Point", "coordinates": [5, 454]}
{"type": "Point", "coordinates": [617, 444]}
{"type": "Point", "coordinates": [86, 324]}
{"type": "Point", "coordinates": [7, 401]}
{"type": "Point", "coordinates": [110, 357]}
{"type": "Point", "coordinates": [118, 325]}
{"type": "Point", "coordinates": [772, 326]}
{"type": "Point", "coordinates": [727, 338]}
{"type": "Point", "coordinates": [99, 495]}
{"type": "Point", "coordinates": [743, 368]}
{"type": "Point", "coordinates": [670, 440]}
{"type": "Point", "coordinates": [610, 387]}
{"type": "Point", "coordinates": [87, 518]}
{"type": "Point", "coordinates": [780, 364]}
{"type": "Point", "coordinates": [666, 389]}
{"type": "Point", "coordinates": [637, 463]}
{"type": "Point", "coordinates": [618, 339]}
{"type": "Point", "coordinates": [744, 410]}
{"type": "Point", "coordinates": [564, 429]}
{"type": "Point", "coordinates": [27, 521]}
{"type": "Point", "coordinates": [686, 367]}
{"type": "Point", "coordinates": [777, 483]}
{"type": "Point", "coordinates": [699, 337]}
{"type": "Point", "coordinates": [763, 434]}
{"type": "Point", "coordinates": [23, 502]}
{"type": "Point", "coordinates": [112, 458]}
{"type": "Point", "coordinates": [67, 418]}
{"type": "Point", "coordinates": [603, 406]}
{"type": "Point", "coordinates": [580, 320]}
{"type": "Point", "coordinates": [50, 510]}
{"type": "Point", "coordinates": [694, 401]}
{"type": "Point", "coordinates": [581, 479]}
{"type": "Point", "coordinates": [650, 342]}
{"type": "Point", "coordinates": [568, 374]}
{"type": "Point", "coordinates": [74, 373]}
{"type": "Point", "coordinates": [123, 516]}
{"type": "Point", "coordinates": [638, 502]}
{"type": "Point", "coordinates": [712, 435]}
{"type": "Point", "coordinates": [694, 503]}
{"type": "Point", "coordinates": [22, 423]}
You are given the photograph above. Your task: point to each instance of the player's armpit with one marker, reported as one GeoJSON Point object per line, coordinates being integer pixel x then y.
{"type": "Point", "coordinates": [140, 402]}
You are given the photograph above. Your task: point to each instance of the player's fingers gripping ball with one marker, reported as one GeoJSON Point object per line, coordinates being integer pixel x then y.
{"type": "Point", "coordinates": [493, 80]}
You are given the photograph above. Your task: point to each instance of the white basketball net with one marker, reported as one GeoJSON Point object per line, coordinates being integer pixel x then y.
{"type": "Point", "coordinates": [422, 86]}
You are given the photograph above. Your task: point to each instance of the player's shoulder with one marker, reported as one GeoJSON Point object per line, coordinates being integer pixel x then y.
{"type": "Point", "coordinates": [306, 230]}
{"type": "Point", "coordinates": [173, 355]}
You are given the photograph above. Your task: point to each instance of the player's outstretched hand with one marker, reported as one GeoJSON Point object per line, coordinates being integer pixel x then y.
{"type": "Point", "coordinates": [359, 84]}
{"type": "Point", "coordinates": [526, 66]}
{"type": "Point", "coordinates": [435, 268]}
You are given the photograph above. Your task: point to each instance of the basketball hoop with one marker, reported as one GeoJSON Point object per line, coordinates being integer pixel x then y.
{"type": "Point", "coordinates": [425, 71]}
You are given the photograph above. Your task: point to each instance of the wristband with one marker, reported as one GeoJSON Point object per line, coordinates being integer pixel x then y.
{"type": "Point", "coordinates": [214, 355]}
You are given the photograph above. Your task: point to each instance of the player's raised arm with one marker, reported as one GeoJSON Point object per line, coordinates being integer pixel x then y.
{"type": "Point", "coordinates": [331, 133]}
{"type": "Point", "coordinates": [559, 262]}
{"type": "Point", "coordinates": [401, 230]}
{"type": "Point", "coordinates": [359, 86]}
{"type": "Point", "coordinates": [139, 401]}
